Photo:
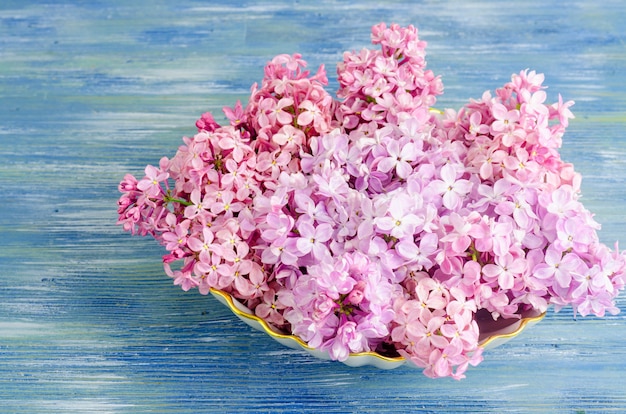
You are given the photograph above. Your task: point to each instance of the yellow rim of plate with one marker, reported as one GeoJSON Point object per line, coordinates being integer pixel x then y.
{"type": "Point", "coordinates": [524, 322]}
{"type": "Point", "coordinates": [276, 335]}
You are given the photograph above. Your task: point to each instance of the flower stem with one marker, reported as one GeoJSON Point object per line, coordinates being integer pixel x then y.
{"type": "Point", "coordinates": [169, 199]}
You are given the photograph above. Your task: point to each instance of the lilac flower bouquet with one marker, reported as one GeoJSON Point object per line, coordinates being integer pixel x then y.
{"type": "Point", "coordinates": [372, 221]}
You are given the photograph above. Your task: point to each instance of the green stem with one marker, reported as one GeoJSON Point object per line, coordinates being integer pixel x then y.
{"type": "Point", "coordinates": [169, 199]}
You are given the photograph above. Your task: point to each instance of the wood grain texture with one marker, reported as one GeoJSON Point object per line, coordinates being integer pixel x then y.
{"type": "Point", "coordinates": [91, 90]}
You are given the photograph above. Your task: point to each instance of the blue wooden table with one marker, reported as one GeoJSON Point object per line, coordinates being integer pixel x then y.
{"type": "Point", "coordinates": [89, 322]}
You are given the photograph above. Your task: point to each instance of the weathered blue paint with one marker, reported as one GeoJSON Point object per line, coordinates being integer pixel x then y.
{"type": "Point", "coordinates": [91, 90]}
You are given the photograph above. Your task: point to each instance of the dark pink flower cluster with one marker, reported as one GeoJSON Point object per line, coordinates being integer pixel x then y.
{"type": "Point", "coordinates": [373, 222]}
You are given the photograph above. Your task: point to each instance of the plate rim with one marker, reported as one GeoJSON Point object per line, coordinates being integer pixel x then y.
{"type": "Point", "coordinates": [294, 342]}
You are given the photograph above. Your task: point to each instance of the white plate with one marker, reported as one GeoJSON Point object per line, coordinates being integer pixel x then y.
{"type": "Point", "coordinates": [492, 334]}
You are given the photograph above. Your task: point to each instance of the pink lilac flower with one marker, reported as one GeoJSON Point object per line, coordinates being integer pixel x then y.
{"type": "Point", "coordinates": [212, 272]}
{"type": "Point", "coordinates": [235, 115]}
{"type": "Point", "coordinates": [202, 244]}
{"type": "Point", "coordinates": [558, 266]}
{"type": "Point", "coordinates": [451, 187]}
{"type": "Point", "coordinates": [399, 221]}
{"type": "Point", "coordinates": [289, 137]}
{"type": "Point", "coordinates": [399, 159]}
{"type": "Point", "coordinates": [506, 268]}
{"type": "Point", "coordinates": [226, 204]}
{"type": "Point", "coordinates": [270, 308]}
{"type": "Point", "coordinates": [151, 184]}
{"type": "Point", "coordinates": [372, 221]}
{"type": "Point", "coordinates": [312, 240]}
{"type": "Point", "coordinates": [198, 204]}
{"type": "Point", "coordinates": [572, 233]}
{"type": "Point", "coordinates": [347, 340]}
{"type": "Point", "coordinates": [177, 239]}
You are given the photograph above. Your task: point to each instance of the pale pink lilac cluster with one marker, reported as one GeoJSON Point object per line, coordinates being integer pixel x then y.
{"type": "Point", "coordinates": [371, 221]}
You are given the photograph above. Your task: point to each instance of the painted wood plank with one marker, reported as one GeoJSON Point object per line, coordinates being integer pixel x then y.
{"type": "Point", "coordinates": [89, 91]}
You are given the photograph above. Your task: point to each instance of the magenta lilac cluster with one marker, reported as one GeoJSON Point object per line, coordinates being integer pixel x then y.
{"type": "Point", "coordinates": [373, 222]}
